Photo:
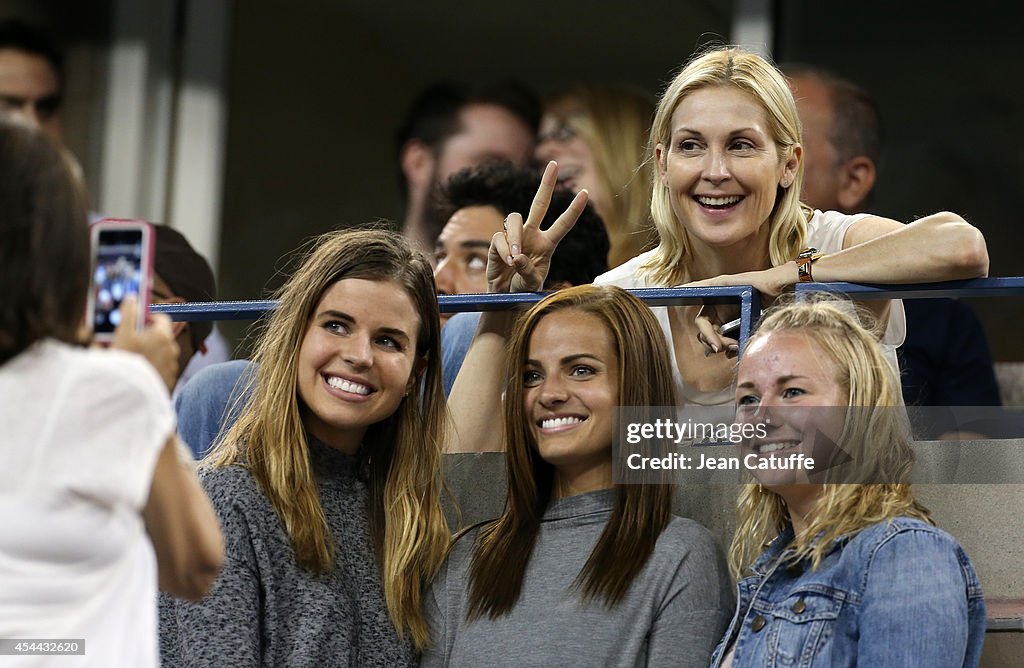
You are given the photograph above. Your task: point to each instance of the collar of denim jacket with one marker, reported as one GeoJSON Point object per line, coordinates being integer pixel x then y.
{"type": "Point", "coordinates": [779, 549]}
{"type": "Point", "coordinates": [775, 551]}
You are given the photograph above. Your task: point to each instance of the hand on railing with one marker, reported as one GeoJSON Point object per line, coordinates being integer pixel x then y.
{"type": "Point", "coordinates": [769, 282]}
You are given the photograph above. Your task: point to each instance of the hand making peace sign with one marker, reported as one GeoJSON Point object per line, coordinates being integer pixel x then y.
{"type": "Point", "coordinates": [519, 257]}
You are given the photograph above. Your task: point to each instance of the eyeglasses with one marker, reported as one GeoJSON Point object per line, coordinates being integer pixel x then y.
{"type": "Point", "coordinates": [561, 133]}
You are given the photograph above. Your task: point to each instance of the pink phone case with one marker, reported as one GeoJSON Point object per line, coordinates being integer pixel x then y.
{"type": "Point", "coordinates": [122, 265]}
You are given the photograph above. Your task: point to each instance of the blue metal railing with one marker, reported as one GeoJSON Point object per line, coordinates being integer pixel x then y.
{"type": "Point", "coordinates": [748, 299]}
{"type": "Point", "coordinates": [1000, 286]}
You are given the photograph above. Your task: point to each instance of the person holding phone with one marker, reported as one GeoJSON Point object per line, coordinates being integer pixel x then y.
{"type": "Point", "coordinates": [328, 483]}
{"type": "Point", "coordinates": [577, 570]}
{"type": "Point", "coordinates": [99, 504]}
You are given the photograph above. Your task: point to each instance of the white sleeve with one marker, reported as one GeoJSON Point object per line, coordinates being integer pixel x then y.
{"type": "Point", "coordinates": [826, 231]}
{"type": "Point", "coordinates": [117, 421]}
{"type": "Point", "coordinates": [626, 275]}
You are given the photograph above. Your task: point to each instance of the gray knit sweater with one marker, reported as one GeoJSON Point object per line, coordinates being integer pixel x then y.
{"type": "Point", "coordinates": [673, 614]}
{"type": "Point", "coordinates": [264, 610]}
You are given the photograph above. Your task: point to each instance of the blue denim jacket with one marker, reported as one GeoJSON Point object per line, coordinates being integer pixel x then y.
{"type": "Point", "coordinates": [898, 593]}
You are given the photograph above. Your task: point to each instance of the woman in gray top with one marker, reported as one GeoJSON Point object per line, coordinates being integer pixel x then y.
{"type": "Point", "coordinates": [327, 484]}
{"type": "Point", "coordinates": [577, 570]}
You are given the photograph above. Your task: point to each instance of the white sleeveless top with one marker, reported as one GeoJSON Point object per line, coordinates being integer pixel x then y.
{"type": "Point", "coordinates": [825, 231]}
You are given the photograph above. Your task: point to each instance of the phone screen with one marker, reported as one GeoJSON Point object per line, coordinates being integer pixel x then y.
{"type": "Point", "coordinates": [118, 273]}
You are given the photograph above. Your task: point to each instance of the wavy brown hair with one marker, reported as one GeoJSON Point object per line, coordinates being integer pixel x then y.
{"type": "Point", "coordinates": [44, 242]}
{"type": "Point", "coordinates": [640, 512]}
{"type": "Point", "coordinates": [870, 381]}
{"type": "Point", "coordinates": [399, 457]}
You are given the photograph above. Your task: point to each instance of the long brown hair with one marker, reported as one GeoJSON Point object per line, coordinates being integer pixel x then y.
{"type": "Point", "coordinates": [640, 512]}
{"type": "Point", "coordinates": [400, 456]}
{"type": "Point", "coordinates": [44, 242]}
{"type": "Point", "coordinates": [870, 382]}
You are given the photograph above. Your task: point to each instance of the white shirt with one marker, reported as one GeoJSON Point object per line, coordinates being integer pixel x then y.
{"type": "Point", "coordinates": [825, 231]}
{"type": "Point", "coordinates": [81, 432]}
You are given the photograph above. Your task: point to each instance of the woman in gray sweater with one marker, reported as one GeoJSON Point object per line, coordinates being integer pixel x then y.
{"type": "Point", "coordinates": [327, 484]}
{"type": "Point", "coordinates": [577, 570]}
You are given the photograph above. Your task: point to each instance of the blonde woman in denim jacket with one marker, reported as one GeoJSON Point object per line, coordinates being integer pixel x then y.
{"type": "Point", "coordinates": [855, 573]}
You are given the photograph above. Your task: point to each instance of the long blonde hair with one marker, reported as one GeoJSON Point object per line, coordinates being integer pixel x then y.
{"type": "Point", "coordinates": [728, 67]}
{"type": "Point", "coordinates": [615, 122]}
{"type": "Point", "coordinates": [399, 457]}
{"type": "Point", "coordinates": [640, 512]}
{"type": "Point", "coordinates": [878, 438]}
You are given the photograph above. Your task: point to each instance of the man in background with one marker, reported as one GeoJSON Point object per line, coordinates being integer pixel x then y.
{"type": "Point", "coordinates": [945, 359]}
{"type": "Point", "coordinates": [180, 275]}
{"type": "Point", "coordinates": [475, 203]}
{"type": "Point", "coordinates": [31, 77]}
{"type": "Point", "coordinates": [450, 127]}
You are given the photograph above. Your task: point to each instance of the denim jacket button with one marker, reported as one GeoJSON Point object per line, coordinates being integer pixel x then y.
{"type": "Point", "coordinates": [757, 624]}
{"type": "Point", "coordinates": [799, 606]}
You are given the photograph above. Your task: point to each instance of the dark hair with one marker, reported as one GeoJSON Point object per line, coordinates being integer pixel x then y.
{"type": "Point", "coordinates": [21, 36]}
{"type": "Point", "coordinates": [641, 512]}
{"type": "Point", "coordinates": [856, 121]}
{"type": "Point", "coordinates": [433, 116]}
{"type": "Point", "coordinates": [44, 242]}
{"type": "Point", "coordinates": [583, 253]}
{"type": "Point", "coordinates": [186, 273]}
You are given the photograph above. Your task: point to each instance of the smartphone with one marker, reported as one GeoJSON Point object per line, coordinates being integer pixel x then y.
{"type": "Point", "coordinates": [731, 329]}
{"type": "Point", "coordinates": [122, 252]}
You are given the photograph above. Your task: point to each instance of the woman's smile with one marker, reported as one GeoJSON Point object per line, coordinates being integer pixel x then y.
{"type": "Point", "coordinates": [722, 167]}
{"type": "Point", "coordinates": [357, 359]}
{"type": "Point", "coordinates": [570, 390]}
